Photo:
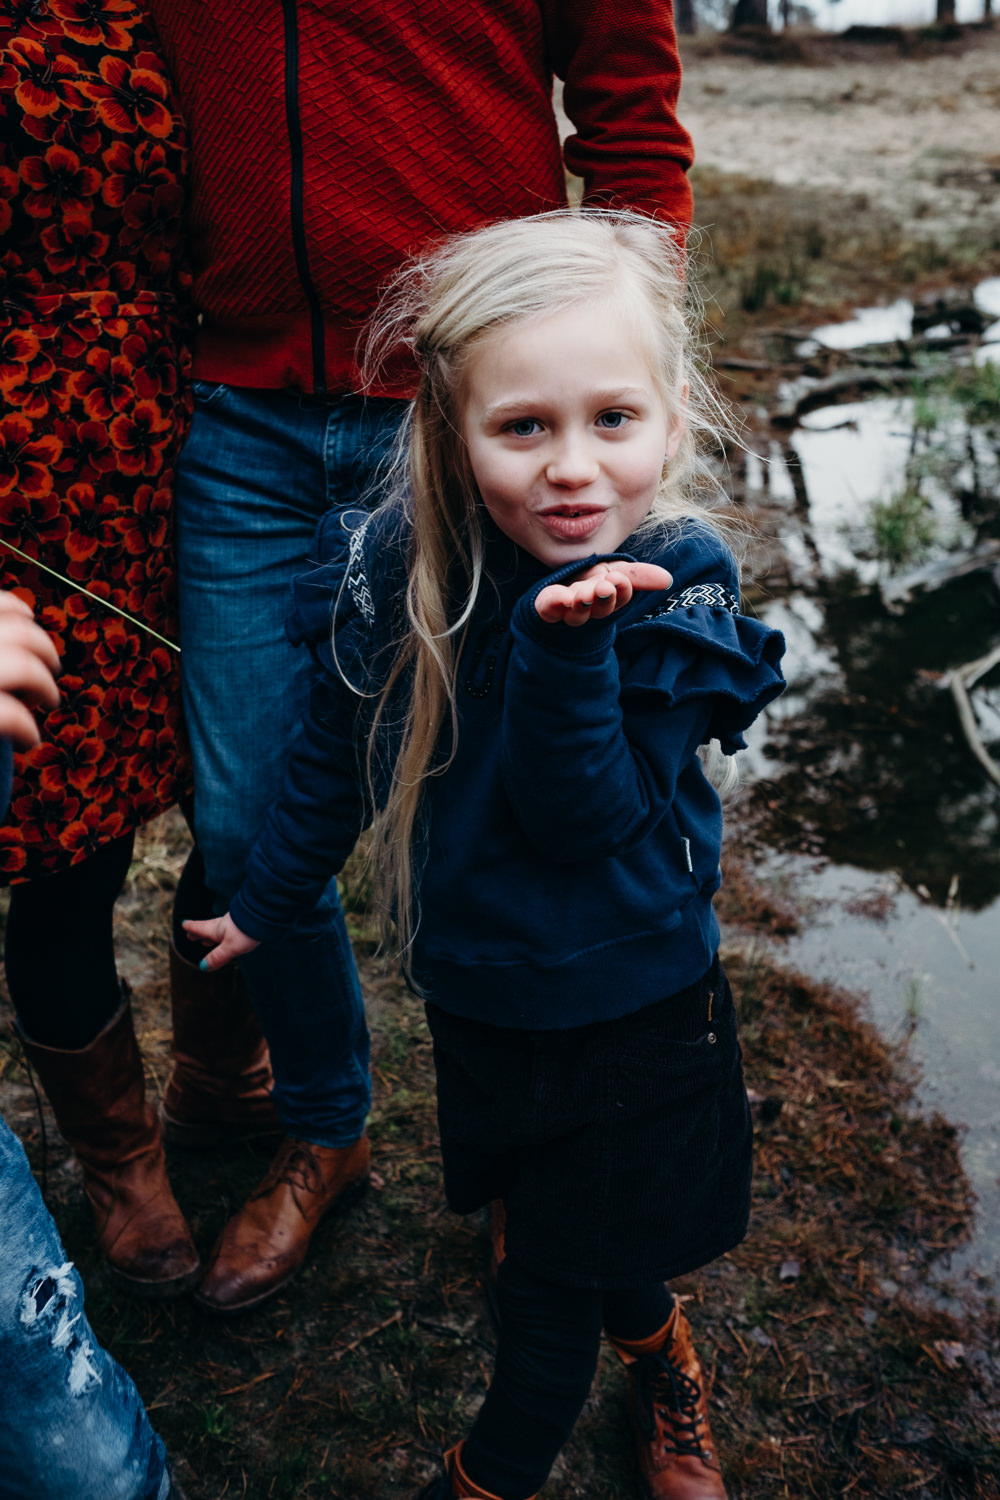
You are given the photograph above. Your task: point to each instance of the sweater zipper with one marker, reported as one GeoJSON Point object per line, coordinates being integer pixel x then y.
{"type": "Point", "coordinates": [316, 330]}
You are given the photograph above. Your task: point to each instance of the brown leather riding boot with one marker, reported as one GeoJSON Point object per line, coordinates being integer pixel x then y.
{"type": "Point", "coordinates": [263, 1246]}
{"type": "Point", "coordinates": [98, 1096]}
{"type": "Point", "coordinates": [220, 1086]}
{"type": "Point", "coordinates": [455, 1483]}
{"type": "Point", "coordinates": [677, 1458]}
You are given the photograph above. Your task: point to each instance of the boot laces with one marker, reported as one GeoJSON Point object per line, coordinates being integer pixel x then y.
{"type": "Point", "coordinates": [662, 1387]}
{"type": "Point", "coordinates": [298, 1168]}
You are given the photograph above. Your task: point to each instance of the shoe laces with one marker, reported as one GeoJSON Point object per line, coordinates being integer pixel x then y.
{"type": "Point", "coordinates": [662, 1386]}
{"type": "Point", "coordinates": [298, 1168]}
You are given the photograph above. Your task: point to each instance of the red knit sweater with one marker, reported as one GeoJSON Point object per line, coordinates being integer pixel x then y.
{"type": "Point", "coordinates": [332, 137]}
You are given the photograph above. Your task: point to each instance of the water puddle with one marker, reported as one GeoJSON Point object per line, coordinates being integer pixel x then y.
{"type": "Point", "coordinates": [894, 321]}
{"type": "Point", "coordinates": [881, 563]}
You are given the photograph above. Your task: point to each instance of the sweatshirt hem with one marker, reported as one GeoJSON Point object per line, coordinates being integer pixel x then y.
{"type": "Point", "coordinates": [615, 980]}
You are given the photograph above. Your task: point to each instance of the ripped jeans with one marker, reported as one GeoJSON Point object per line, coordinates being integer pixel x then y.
{"type": "Point", "coordinates": [72, 1424]}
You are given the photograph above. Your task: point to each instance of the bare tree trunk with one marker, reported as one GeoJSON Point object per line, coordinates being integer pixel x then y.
{"type": "Point", "coordinates": [685, 18]}
{"type": "Point", "coordinates": [946, 10]}
{"type": "Point", "coordinates": [987, 10]}
{"type": "Point", "coordinates": [784, 9]}
{"type": "Point", "coordinates": [751, 13]}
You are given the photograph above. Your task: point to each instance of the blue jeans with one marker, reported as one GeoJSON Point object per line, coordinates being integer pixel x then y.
{"type": "Point", "coordinates": [259, 470]}
{"type": "Point", "coordinates": [71, 1421]}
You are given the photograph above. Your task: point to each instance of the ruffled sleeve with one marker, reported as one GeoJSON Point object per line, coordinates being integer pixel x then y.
{"type": "Point", "coordinates": [695, 644]}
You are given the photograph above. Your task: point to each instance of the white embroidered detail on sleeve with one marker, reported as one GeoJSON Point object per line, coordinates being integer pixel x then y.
{"type": "Point", "coordinates": [357, 578]}
{"type": "Point", "coordinates": [714, 595]}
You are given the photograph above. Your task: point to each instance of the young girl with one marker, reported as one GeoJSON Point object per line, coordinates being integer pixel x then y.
{"type": "Point", "coordinates": [530, 643]}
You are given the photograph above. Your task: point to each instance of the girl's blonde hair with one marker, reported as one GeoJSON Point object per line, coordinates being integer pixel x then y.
{"type": "Point", "coordinates": [437, 309]}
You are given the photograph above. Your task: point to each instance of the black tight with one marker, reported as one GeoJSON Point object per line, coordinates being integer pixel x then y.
{"type": "Point", "coordinates": [546, 1358]}
{"type": "Point", "coordinates": [59, 950]}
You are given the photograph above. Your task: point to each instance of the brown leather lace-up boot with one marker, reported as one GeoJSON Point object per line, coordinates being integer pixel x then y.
{"type": "Point", "coordinates": [263, 1246]}
{"type": "Point", "coordinates": [98, 1095]}
{"type": "Point", "coordinates": [677, 1458]}
{"type": "Point", "coordinates": [220, 1086]}
{"type": "Point", "coordinates": [454, 1483]}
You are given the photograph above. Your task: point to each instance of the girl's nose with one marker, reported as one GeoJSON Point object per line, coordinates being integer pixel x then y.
{"type": "Point", "coordinates": [572, 465]}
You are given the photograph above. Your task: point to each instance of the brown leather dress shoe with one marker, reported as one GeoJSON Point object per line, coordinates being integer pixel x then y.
{"type": "Point", "coordinates": [220, 1086]}
{"type": "Point", "coordinates": [263, 1246]}
{"type": "Point", "coordinates": [98, 1095]}
{"type": "Point", "coordinates": [677, 1458]}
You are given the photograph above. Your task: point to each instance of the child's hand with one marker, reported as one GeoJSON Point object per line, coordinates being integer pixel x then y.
{"type": "Point", "coordinates": [229, 941]}
{"type": "Point", "coordinates": [599, 592]}
{"type": "Point", "coordinates": [28, 662]}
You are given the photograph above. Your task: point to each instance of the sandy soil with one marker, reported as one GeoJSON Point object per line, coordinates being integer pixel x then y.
{"type": "Point", "coordinates": [919, 135]}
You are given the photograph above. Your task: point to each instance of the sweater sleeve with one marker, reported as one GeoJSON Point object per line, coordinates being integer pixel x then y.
{"type": "Point", "coordinates": [620, 64]}
{"type": "Point", "coordinates": [595, 738]}
{"type": "Point", "coordinates": [324, 805]}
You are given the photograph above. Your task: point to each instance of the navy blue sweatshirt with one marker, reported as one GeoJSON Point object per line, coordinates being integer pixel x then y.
{"type": "Point", "coordinates": [570, 851]}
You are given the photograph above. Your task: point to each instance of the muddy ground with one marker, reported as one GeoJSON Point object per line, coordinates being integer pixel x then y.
{"type": "Point", "coordinates": [842, 1361]}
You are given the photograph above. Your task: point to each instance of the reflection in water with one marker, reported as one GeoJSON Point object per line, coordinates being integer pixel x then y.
{"type": "Point", "coordinates": [894, 321]}
{"type": "Point", "coordinates": [863, 762]}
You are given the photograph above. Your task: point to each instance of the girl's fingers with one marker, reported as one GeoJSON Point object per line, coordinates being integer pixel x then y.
{"type": "Point", "coordinates": [647, 577]}
{"type": "Point", "coordinates": [208, 931]}
{"type": "Point", "coordinates": [552, 603]}
{"type": "Point", "coordinates": [601, 591]}
{"type": "Point", "coordinates": [229, 941]}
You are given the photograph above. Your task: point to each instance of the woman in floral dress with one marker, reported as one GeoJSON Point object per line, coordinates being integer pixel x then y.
{"type": "Point", "coordinates": [93, 414]}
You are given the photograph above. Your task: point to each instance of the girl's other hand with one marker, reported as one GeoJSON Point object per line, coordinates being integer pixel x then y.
{"type": "Point", "coordinates": [28, 663]}
{"type": "Point", "coordinates": [600, 591]}
{"type": "Point", "coordinates": [229, 941]}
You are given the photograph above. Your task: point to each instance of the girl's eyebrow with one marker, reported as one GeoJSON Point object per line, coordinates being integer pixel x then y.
{"type": "Point", "coordinates": [518, 405]}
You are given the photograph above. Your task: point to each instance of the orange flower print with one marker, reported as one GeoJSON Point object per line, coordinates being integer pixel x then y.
{"type": "Point", "coordinates": [86, 448]}
{"type": "Point", "coordinates": [131, 99]}
{"type": "Point", "coordinates": [8, 187]}
{"type": "Point", "coordinates": [92, 524]}
{"type": "Point", "coordinates": [25, 460]}
{"type": "Point", "coordinates": [86, 834]}
{"type": "Point", "coordinates": [141, 167]}
{"type": "Point", "coordinates": [93, 407]}
{"type": "Point", "coordinates": [105, 386]}
{"type": "Point", "coordinates": [74, 245]}
{"type": "Point", "coordinates": [154, 368]}
{"type": "Point", "coordinates": [140, 438]}
{"type": "Point", "coordinates": [58, 181]}
{"type": "Point", "coordinates": [100, 23]}
{"type": "Point", "coordinates": [40, 82]}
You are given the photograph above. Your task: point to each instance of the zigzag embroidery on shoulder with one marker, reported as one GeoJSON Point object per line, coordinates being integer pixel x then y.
{"type": "Point", "coordinates": [357, 578]}
{"type": "Point", "coordinates": [714, 595]}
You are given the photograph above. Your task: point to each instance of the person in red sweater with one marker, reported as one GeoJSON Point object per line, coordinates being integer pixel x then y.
{"type": "Point", "coordinates": [331, 139]}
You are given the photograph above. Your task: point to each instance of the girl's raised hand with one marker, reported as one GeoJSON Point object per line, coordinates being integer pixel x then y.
{"type": "Point", "coordinates": [599, 592]}
{"type": "Point", "coordinates": [229, 941]}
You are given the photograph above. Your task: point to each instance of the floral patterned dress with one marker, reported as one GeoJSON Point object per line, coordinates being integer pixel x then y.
{"type": "Point", "coordinates": [93, 411]}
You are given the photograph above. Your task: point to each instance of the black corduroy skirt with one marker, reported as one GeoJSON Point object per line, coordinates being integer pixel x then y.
{"type": "Point", "coordinates": [621, 1150]}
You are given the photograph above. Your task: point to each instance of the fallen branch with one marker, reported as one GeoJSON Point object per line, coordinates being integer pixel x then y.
{"type": "Point", "coordinates": [369, 1334]}
{"type": "Point", "coordinates": [808, 392]}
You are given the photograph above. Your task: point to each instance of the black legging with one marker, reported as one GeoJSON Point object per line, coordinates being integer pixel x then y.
{"type": "Point", "coordinates": [546, 1357]}
{"type": "Point", "coordinates": [59, 948]}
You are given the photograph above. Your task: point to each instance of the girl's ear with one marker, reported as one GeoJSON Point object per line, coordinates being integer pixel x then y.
{"type": "Point", "coordinates": [677, 424]}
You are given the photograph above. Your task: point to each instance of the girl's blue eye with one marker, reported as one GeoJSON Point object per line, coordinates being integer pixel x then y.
{"type": "Point", "coordinates": [524, 427]}
{"type": "Point", "coordinates": [612, 419]}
